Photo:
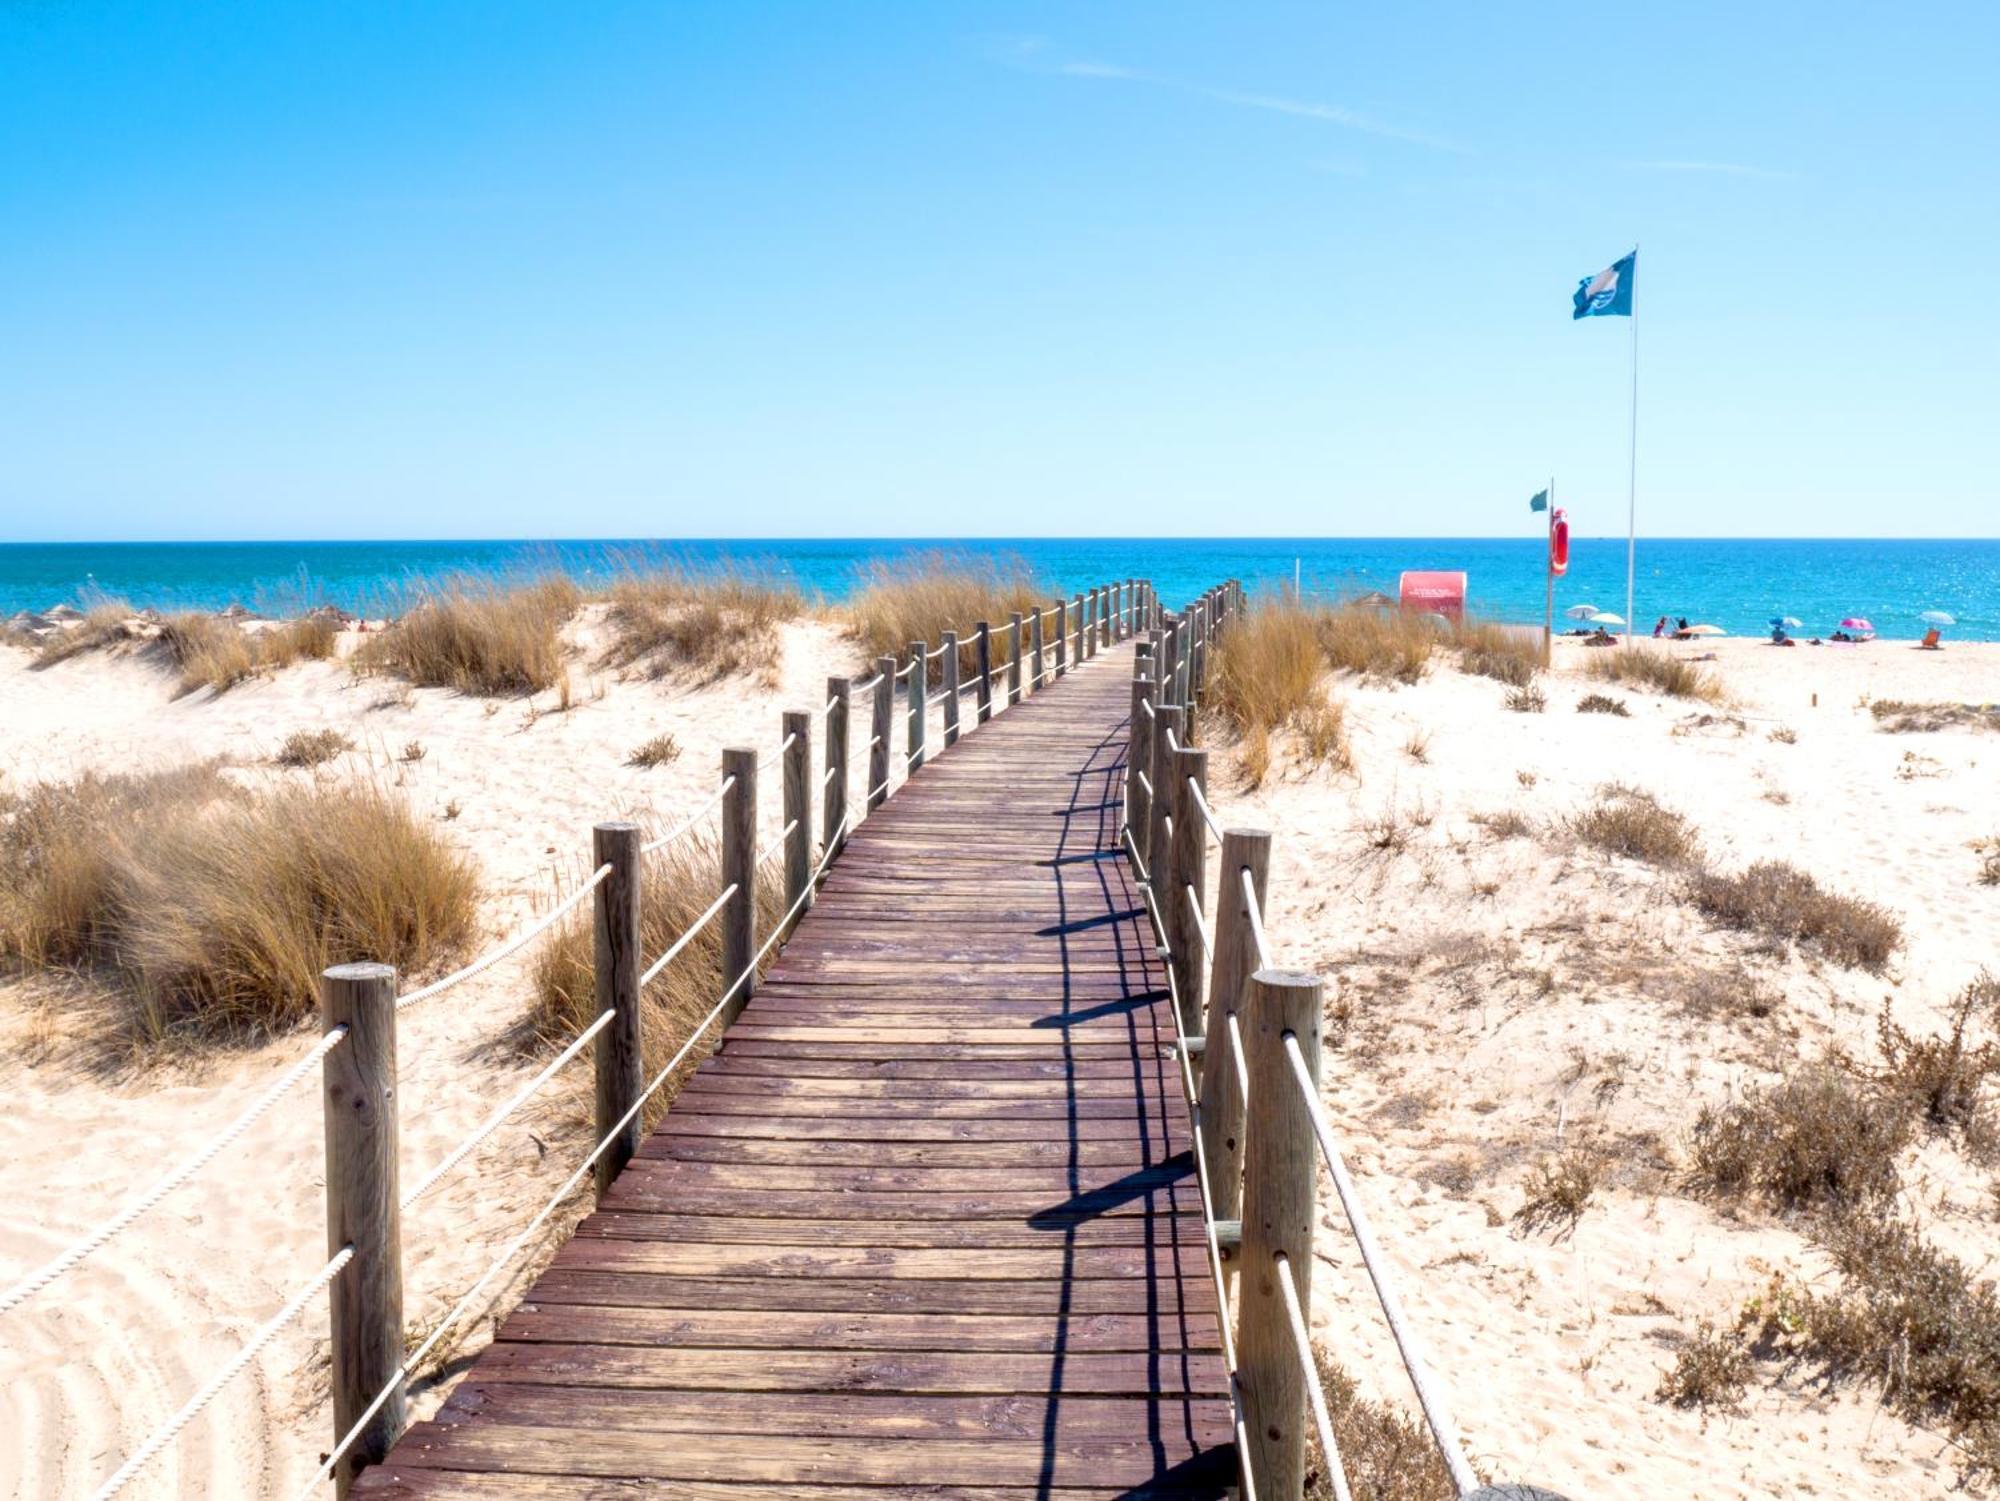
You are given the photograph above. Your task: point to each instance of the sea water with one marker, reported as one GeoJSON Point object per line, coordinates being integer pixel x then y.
{"type": "Point", "coordinates": [1737, 585]}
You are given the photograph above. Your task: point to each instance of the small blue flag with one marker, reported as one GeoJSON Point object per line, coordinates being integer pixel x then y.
{"type": "Point", "coordinates": [1540, 502]}
{"type": "Point", "coordinates": [1609, 293]}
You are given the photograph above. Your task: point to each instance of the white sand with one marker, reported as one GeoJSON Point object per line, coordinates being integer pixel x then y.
{"type": "Point", "coordinates": [1458, 1064]}
{"type": "Point", "coordinates": [1503, 989]}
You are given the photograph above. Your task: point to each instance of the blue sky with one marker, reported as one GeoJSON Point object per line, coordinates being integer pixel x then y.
{"type": "Point", "coordinates": [358, 270]}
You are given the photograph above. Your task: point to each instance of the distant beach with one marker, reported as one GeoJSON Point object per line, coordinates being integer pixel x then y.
{"type": "Point", "coordinates": [1734, 584]}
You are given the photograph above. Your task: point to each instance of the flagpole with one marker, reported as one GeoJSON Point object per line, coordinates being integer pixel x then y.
{"type": "Point", "coordinates": [1632, 470]}
{"type": "Point", "coordinates": [1549, 569]}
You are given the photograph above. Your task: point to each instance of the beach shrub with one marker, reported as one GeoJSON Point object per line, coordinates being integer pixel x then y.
{"type": "Point", "coordinates": [1942, 1080]}
{"type": "Point", "coordinates": [1989, 864]}
{"type": "Point", "coordinates": [1711, 1370]}
{"type": "Point", "coordinates": [1602, 703]}
{"type": "Point", "coordinates": [478, 636]}
{"type": "Point", "coordinates": [1528, 700]}
{"type": "Point", "coordinates": [1897, 716]}
{"type": "Point", "coordinates": [1508, 654]}
{"type": "Point", "coordinates": [1783, 902]}
{"type": "Point", "coordinates": [1816, 1138]}
{"type": "Point", "coordinates": [657, 751]}
{"type": "Point", "coordinates": [714, 625]}
{"type": "Point", "coordinates": [307, 748]}
{"type": "Point", "coordinates": [1627, 821]}
{"type": "Point", "coordinates": [1265, 676]}
{"type": "Point", "coordinates": [1559, 1190]}
{"type": "Point", "coordinates": [214, 651]}
{"type": "Point", "coordinates": [1377, 642]}
{"type": "Point", "coordinates": [211, 909]}
{"type": "Point", "coordinates": [681, 882]}
{"type": "Point", "coordinates": [105, 622]}
{"type": "Point", "coordinates": [1385, 1455]}
{"type": "Point", "coordinates": [1646, 667]}
{"type": "Point", "coordinates": [920, 597]}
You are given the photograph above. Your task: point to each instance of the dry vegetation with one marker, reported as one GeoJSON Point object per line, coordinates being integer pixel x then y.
{"type": "Point", "coordinates": [105, 622]}
{"type": "Point", "coordinates": [1266, 676]}
{"type": "Point", "coordinates": [680, 883]}
{"type": "Point", "coordinates": [657, 751]}
{"type": "Point", "coordinates": [1504, 653]}
{"type": "Point", "coordinates": [478, 637]}
{"type": "Point", "coordinates": [211, 909]}
{"type": "Point", "coordinates": [1627, 821]}
{"type": "Point", "coordinates": [1370, 641]}
{"type": "Point", "coordinates": [1814, 1139]}
{"type": "Point", "coordinates": [213, 651]}
{"type": "Point", "coordinates": [1711, 1370]}
{"type": "Point", "coordinates": [1602, 703]}
{"type": "Point", "coordinates": [1646, 667]}
{"type": "Point", "coordinates": [919, 598]}
{"type": "Point", "coordinates": [307, 748]}
{"type": "Point", "coordinates": [1899, 717]}
{"type": "Point", "coordinates": [1385, 1455]}
{"type": "Point", "coordinates": [713, 625]}
{"type": "Point", "coordinates": [1785, 903]}
{"type": "Point", "coordinates": [1559, 1190]}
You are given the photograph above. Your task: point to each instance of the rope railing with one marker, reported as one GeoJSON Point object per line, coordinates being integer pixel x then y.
{"type": "Point", "coordinates": [776, 844]}
{"type": "Point", "coordinates": [687, 937]}
{"type": "Point", "coordinates": [1253, 913]}
{"type": "Point", "coordinates": [686, 826]}
{"type": "Point", "coordinates": [1336, 1468]}
{"type": "Point", "coordinates": [1201, 805]}
{"type": "Point", "coordinates": [513, 945]}
{"type": "Point", "coordinates": [81, 1250]}
{"type": "Point", "coordinates": [1201, 928]}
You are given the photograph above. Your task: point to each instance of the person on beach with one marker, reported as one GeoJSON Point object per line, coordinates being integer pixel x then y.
{"type": "Point", "coordinates": [1659, 627]}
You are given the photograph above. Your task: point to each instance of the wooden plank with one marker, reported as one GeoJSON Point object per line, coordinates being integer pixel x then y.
{"type": "Point", "coordinates": [887, 1238]}
{"type": "Point", "coordinates": [756, 1329]}
{"type": "Point", "coordinates": [1047, 1297]}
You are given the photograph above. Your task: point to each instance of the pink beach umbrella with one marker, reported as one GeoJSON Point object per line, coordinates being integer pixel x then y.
{"type": "Point", "coordinates": [1859, 624]}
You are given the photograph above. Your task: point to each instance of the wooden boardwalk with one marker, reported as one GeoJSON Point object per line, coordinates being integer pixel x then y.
{"type": "Point", "coordinates": [928, 1224]}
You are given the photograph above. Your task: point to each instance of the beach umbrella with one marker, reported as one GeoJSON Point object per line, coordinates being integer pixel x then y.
{"type": "Point", "coordinates": [1605, 617]}
{"type": "Point", "coordinates": [1581, 612]}
{"type": "Point", "coordinates": [1937, 617]}
{"type": "Point", "coordinates": [1706, 630]}
{"type": "Point", "coordinates": [1857, 623]}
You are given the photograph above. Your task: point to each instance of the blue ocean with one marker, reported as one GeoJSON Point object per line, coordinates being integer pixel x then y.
{"type": "Point", "coordinates": [1734, 584]}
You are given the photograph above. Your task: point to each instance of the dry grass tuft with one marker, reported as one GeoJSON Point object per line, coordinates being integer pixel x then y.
{"type": "Point", "coordinates": [1505, 653]}
{"type": "Point", "coordinates": [213, 909]}
{"type": "Point", "coordinates": [1265, 677]}
{"type": "Point", "coordinates": [714, 625]}
{"type": "Point", "coordinates": [1711, 1370]}
{"type": "Point", "coordinates": [305, 748]}
{"type": "Point", "coordinates": [1382, 643]}
{"type": "Point", "coordinates": [1784, 902]}
{"type": "Point", "coordinates": [1897, 716]}
{"type": "Point", "coordinates": [1528, 700]}
{"type": "Point", "coordinates": [919, 598]}
{"type": "Point", "coordinates": [1602, 703]}
{"type": "Point", "coordinates": [1627, 821]}
{"type": "Point", "coordinates": [1508, 823]}
{"type": "Point", "coordinates": [658, 751]}
{"type": "Point", "coordinates": [1815, 1139]}
{"type": "Point", "coordinates": [479, 637]}
{"type": "Point", "coordinates": [1942, 1080]}
{"type": "Point", "coordinates": [1644, 667]}
{"type": "Point", "coordinates": [105, 622]}
{"type": "Point", "coordinates": [680, 882]}
{"type": "Point", "coordinates": [1386, 1456]}
{"type": "Point", "coordinates": [213, 651]}
{"type": "Point", "coordinates": [1559, 1190]}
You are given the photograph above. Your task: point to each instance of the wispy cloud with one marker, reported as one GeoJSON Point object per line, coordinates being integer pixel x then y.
{"type": "Point", "coordinates": [1717, 169]}
{"type": "Point", "coordinates": [1031, 53]}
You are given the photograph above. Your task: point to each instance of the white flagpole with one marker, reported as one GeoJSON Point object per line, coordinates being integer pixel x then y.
{"type": "Point", "coordinates": [1632, 471]}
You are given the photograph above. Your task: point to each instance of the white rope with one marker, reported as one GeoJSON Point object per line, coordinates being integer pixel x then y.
{"type": "Point", "coordinates": [1144, 781]}
{"type": "Point", "coordinates": [828, 709]}
{"type": "Point", "coordinates": [1207, 815]}
{"type": "Point", "coordinates": [1256, 916]}
{"type": "Point", "coordinates": [938, 652]}
{"type": "Point", "coordinates": [1322, 1419]}
{"type": "Point", "coordinates": [686, 938]}
{"type": "Point", "coordinates": [865, 684]}
{"type": "Point", "coordinates": [492, 1122]}
{"type": "Point", "coordinates": [167, 1433]}
{"type": "Point", "coordinates": [1428, 1397]}
{"type": "Point", "coordinates": [776, 844]}
{"type": "Point", "coordinates": [699, 814]}
{"type": "Point", "coordinates": [569, 1184]}
{"type": "Point", "coordinates": [904, 670]}
{"type": "Point", "coordinates": [827, 775]}
{"type": "Point", "coordinates": [511, 947]}
{"type": "Point", "coordinates": [1138, 864]}
{"type": "Point", "coordinates": [98, 1238]}
{"type": "Point", "coordinates": [1236, 1053]}
{"type": "Point", "coordinates": [1200, 927]}
{"type": "Point", "coordinates": [938, 697]}
{"type": "Point", "coordinates": [769, 756]}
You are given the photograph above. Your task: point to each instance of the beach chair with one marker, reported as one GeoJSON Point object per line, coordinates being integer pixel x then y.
{"type": "Point", "coordinates": [1930, 641]}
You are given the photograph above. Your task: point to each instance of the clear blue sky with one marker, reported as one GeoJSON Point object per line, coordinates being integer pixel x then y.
{"type": "Point", "coordinates": [359, 270]}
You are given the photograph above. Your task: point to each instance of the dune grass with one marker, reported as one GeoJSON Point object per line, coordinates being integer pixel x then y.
{"type": "Point", "coordinates": [679, 884]}
{"type": "Point", "coordinates": [1661, 671]}
{"type": "Point", "coordinates": [211, 909]}
{"type": "Point", "coordinates": [1628, 821]}
{"type": "Point", "coordinates": [1505, 653]}
{"type": "Point", "coordinates": [1266, 676]}
{"type": "Point", "coordinates": [919, 598]}
{"type": "Point", "coordinates": [1378, 643]}
{"type": "Point", "coordinates": [104, 623]}
{"type": "Point", "coordinates": [713, 625]}
{"type": "Point", "coordinates": [1385, 1455]}
{"type": "Point", "coordinates": [212, 651]}
{"type": "Point", "coordinates": [478, 636]}
{"type": "Point", "coordinates": [1781, 901]}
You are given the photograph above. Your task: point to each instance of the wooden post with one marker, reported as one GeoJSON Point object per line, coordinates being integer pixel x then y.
{"type": "Point", "coordinates": [1235, 962]}
{"type": "Point", "coordinates": [881, 728]}
{"type": "Point", "coordinates": [1139, 754]}
{"type": "Point", "coordinates": [363, 1209]}
{"type": "Point", "coordinates": [918, 710]}
{"type": "Point", "coordinates": [985, 672]}
{"type": "Point", "coordinates": [1106, 601]}
{"type": "Point", "coordinates": [833, 802]}
{"type": "Point", "coordinates": [1198, 650]}
{"type": "Point", "coordinates": [739, 869]}
{"type": "Point", "coordinates": [1014, 659]}
{"type": "Point", "coordinates": [1166, 725]}
{"type": "Point", "coordinates": [1035, 651]}
{"type": "Point", "coordinates": [1280, 1156]}
{"type": "Point", "coordinates": [948, 663]}
{"type": "Point", "coordinates": [1189, 864]}
{"type": "Point", "coordinates": [620, 1063]}
{"type": "Point", "coordinates": [1183, 649]}
{"type": "Point", "coordinates": [1092, 608]}
{"type": "Point", "coordinates": [797, 761]}
{"type": "Point", "coordinates": [1170, 655]}
{"type": "Point", "coordinates": [1076, 609]}
{"type": "Point", "coordinates": [1062, 637]}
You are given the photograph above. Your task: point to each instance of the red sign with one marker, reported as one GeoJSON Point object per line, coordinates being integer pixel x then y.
{"type": "Point", "coordinates": [1443, 593]}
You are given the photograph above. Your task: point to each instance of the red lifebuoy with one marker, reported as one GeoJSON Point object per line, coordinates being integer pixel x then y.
{"type": "Point", "coordinates": [1559, 546]}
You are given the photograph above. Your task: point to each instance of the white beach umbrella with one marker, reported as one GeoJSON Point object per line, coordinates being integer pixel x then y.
{"type": "Point", "coordinates": [1605, 617]}
{"type": "Point", "coordinates": [1937, 617]}
{"type": "Point", "coordinates": [1581, 612]}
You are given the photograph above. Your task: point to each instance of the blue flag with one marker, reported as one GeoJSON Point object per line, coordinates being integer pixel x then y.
{"type": "Point", "coordinates": [1540, 502]}
{"type": "Point", "coordinates": [1609, 293]}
